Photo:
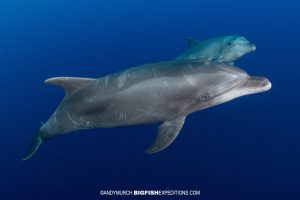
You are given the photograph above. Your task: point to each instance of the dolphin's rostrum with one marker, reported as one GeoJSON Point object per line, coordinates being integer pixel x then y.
{"type": "Point", "coordinates": [161, 92]}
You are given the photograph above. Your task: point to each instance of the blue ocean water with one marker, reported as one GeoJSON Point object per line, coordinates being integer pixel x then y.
{"type": "Point", "coordinates": [245, 149]}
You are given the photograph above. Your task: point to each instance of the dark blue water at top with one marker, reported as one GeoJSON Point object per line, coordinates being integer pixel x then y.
{"type": "Point", "coordinates": [245, 149]}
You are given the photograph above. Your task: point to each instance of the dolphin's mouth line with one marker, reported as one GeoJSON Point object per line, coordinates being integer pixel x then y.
{"type": "Point", "coordinates": [250, 45]}
{"type": "Point", "coordinates": [243, 41]}
{"type": "Point", "coordinates": [246, 43]}
{"type": "Point", "coordinates": [257, 83]}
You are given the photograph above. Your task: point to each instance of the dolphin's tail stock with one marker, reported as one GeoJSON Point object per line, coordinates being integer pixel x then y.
{"type": "Point", "coordinates": [35, 144]}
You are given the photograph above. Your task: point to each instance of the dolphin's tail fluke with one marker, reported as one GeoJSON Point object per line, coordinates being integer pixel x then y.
{"type": "Point", "coordinates": [35, 144]}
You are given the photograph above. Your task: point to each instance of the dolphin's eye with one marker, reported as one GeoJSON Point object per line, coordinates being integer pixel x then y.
{"type": "Point", "coordinates": [229, 43]}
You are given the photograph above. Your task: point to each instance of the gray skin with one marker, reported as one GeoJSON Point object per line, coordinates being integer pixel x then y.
{"type": "Point", "coordinates": [161, 92]}
{"type": "Point", "coordinates": [225, 49]}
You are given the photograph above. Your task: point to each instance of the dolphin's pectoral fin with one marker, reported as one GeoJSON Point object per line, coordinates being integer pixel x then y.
{"type": "Point", "coordinates": [35, 144]}
{"type": "Point", "coordinates": [167, 132]}
{"type": "Point", "coordinates": [69, 84]}
{"type": "Point", "coordinates": [191, 41]}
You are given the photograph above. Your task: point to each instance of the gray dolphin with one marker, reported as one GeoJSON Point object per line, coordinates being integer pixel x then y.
{"type": "Point", "coordinates": [225, 49]}
{"type": "Point", "coordinates": [161, 92]}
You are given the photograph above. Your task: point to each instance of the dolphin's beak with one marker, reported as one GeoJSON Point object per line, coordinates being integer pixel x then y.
{"type": "Point", "coordinates": [253, 47]}
{"type": "Point", "coordinates": [258, 83]}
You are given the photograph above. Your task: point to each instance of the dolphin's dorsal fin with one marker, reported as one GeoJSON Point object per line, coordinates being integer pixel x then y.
{"type": "Point", "coordinates": [191, 41]}
{"type": "Point", "coordinates": [69, 84]}
{"type": "Point", "coordinates": [167, 133]}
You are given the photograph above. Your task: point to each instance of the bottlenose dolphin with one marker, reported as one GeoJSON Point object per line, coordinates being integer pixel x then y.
{"type": "Point", "coordinates": [161, 92]}
{"type": "Point", "coordinates": [225, 49]}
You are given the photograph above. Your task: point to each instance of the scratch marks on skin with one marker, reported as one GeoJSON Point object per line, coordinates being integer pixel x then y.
{"type": "Point", "coordinates": [55, 117]}
{"type": "Point", "coordinates": [189, 80]}
{"type": "Point", "coordinates": [86, 123]}
{"type": "Point", "coordinates": [122, 79]}
{"type": "Point", "coordinates": [74, 122]}
{"type": "Point", "coordinates": [122, 116]}
{"type": "Point", "coordinates": [126, 76]}
{"type": "Point", "coordinates": [106, 81]}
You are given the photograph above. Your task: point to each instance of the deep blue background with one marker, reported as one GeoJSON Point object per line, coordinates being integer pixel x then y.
{"type": "Point", "coordinates": [245, 149]}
